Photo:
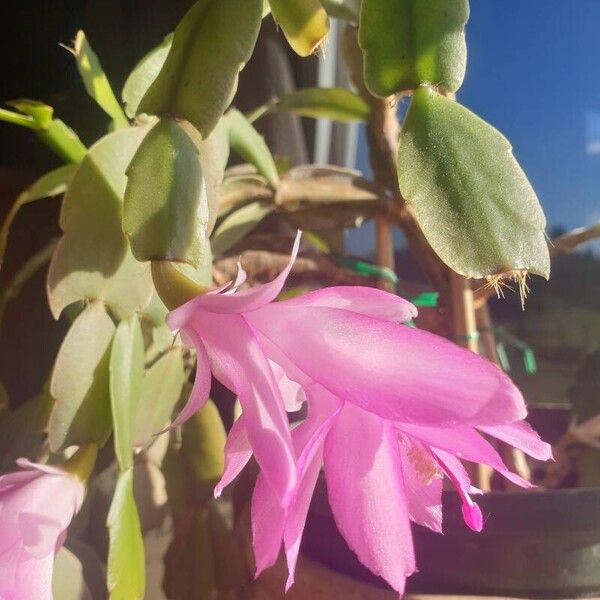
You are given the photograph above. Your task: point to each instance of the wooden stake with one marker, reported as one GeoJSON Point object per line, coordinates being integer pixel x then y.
{"type": "Point", "coordinates": [465, 333]}
{"type": "Point", "coordinates": [487, 338]}
{"type": "Point", "coordinates": [463, 312]}
{"type": "Point", "coordinates": [384, 250]}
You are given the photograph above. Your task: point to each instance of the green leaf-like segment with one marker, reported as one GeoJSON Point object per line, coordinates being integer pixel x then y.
{"type": "Point", "coordinates": [238, 224]}
{"type": "Point", "coordinates": [166, 211]}
{"type": "Point", "coordinates": [126, 375]}
{"type": "Point", "coordinates": [161, 389]}
{"type": "Point", "coordinates": [304, 22]}
{"type": "Point", "coordinates": [93, 259]}
{"type": "Point", "coordinates": [80, 382]}
{"type": "Point", "coordinates": [68, 581]}
{"type": "Point", "coordinates": [203, 441]}
{"type": "Point", "coordinates": [338, 104]}
{"type": "Point", "coordinates": [410, 42]}
{"type": "Point", "coordinates": [211, 44]}
{"type": "Point", "coordinates": [143, 74]}
{"type": "Point", "coordinates": [95, 81]}
{"type": "Point", "coordinates": [470, 196]}
{"type": "Point", "coordinates": [250, 145]}
{"type": "Point", "coordinates": [61, 139]}
{"type": "Point", "coordinates": [126, 571]}
{"type": "Point", "coordinates": [38, 111]}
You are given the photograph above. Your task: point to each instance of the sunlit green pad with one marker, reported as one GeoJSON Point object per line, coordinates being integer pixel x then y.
{"type": "Point", "coordinates": [126, 376]}
{"type": "Point", "coordinates": [210, 46]}
{"type": "Point", "coordinates": [80, 382]}
{"type": "Point", "coordinates": [472, 200]}
{"type": "Point", "coordinates": [36, 115]}
{"type": "Point", "coordinates": [143, 74]}
{"type": "Point", "coordinates": [166, 211]}
{"type": "Point", "coordinates": [93, 259]}
{"type": "Point", "coordinates": [126, 571]}
{"type": "Point", "coordinates": [409, 42]}
{"type": "Point", "coordinates": [338, 104]}
{"type": "Point", "coordinates": [250, 145]}
{"type": "Point", "coordinates": [38, 111]}
{"type": "Point", "coordinates": [95, 80]}
{"type": "Point", "coordinates": [304, 23]}
{"type": "Point", "coordinates": [161, 389]}
{"type": "Point", "coordinates": [203, 441]}
{"type": "Point", "coordinates": [238, 224]}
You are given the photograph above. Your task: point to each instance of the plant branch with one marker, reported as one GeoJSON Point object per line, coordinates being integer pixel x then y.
{"type": "Point", "coordinates": [568, 242]}
{"type": "Point", "coordinates": [382, 137]}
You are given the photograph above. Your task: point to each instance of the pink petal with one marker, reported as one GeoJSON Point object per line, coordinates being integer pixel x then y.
{"type": "Point", "coordinates": [202, 382]}
{"type": "Point", "coordinates": [292, 392]}
{"type": "Point", "coordinates": [364, 483]}
{"type": "Point", "coordinates": [232, 287]}
{"type": "Point", "coordinates": [34, 578]}
{"type": "Point", "coordinates": [9, 565]}
{"type": "Point", "coordinates": [276, 356]}
{"type": "Point", "coordinates": [268, 523]}
{"type": "Point", "coordinates": [179, 317]}
{"type": "Point", "coordinates": [50, 496]}
{"type": "Point", "coordinates": [36, 507]}
{"type": "Point", "coordinates": [466, 444]}
{"type": "Point", "coordinates": [247, 300]}
{"type": "Point", "coordinates": [26, 464]}
{"type": "Point", "coordinates": [308, 439]}
{"type": "Point", "coordinates": [39, 533]}
{"type": "Point", "coordinates": [522, 436]}
{"type": "Point", "coordinates": [298, 512]}
{"type": "Point", "coordinates": [422, 486]}
{"type": "Point", "coordinates": [460, 479]}
{"type": "Point", "coordinates": [323, 409]}
{"type": "Point", "coordinates": [237, 454]}
{"type": "Point", "coordinates": [15, 480]}
{"type": "Point", "coordinates": [363, 300]}
{"type": "Point", "coordinates": [391, 370]}
{"type": "Point", "coordinates": [237, 361]}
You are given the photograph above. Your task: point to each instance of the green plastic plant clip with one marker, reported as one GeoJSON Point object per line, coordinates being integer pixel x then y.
{"type": "Point", "coordinates": [428, 299]}
{"type": "Point", "coordinates": [364, 268]}
{"type": "Point", "coordinates": [529, 361]}
{"type": "Point", "coordinates": [502, 356]}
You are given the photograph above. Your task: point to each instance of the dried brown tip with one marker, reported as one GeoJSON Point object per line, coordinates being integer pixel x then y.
{"type": "Point", "coordinates": [502, 281]}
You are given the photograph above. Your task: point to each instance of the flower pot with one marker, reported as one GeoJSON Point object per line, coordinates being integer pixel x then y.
{"type": "Point", "coordinates": [534, 544]}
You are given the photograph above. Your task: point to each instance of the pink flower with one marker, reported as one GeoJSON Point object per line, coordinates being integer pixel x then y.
{"type": "Point", "coordinates": [36, 507]}
{"type": "Point", "coordinates": [391, 410]}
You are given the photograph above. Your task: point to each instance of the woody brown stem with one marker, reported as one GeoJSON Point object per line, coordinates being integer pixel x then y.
{"type": "Point", "coordinates": [513, 457]}
{"type": "Point", "coordinates": [384, 250]}
{"type": "Point", "coordinates": [487, 339]}
{"type": "Point", "coordinates": [382, 131]}
{"type": "Point", "coordinates": [465, 333]}
{"type": "Point", "coordinates": [463, 312]}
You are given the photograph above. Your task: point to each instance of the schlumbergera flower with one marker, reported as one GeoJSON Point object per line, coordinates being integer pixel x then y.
{"type": "Point", "coordinates": [37, 505]}
{"type": "Point", "coordinates": [391, 411]}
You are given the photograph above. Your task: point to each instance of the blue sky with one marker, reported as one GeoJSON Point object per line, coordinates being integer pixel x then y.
{"type": "Point", "coordinates": [533, 72]}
